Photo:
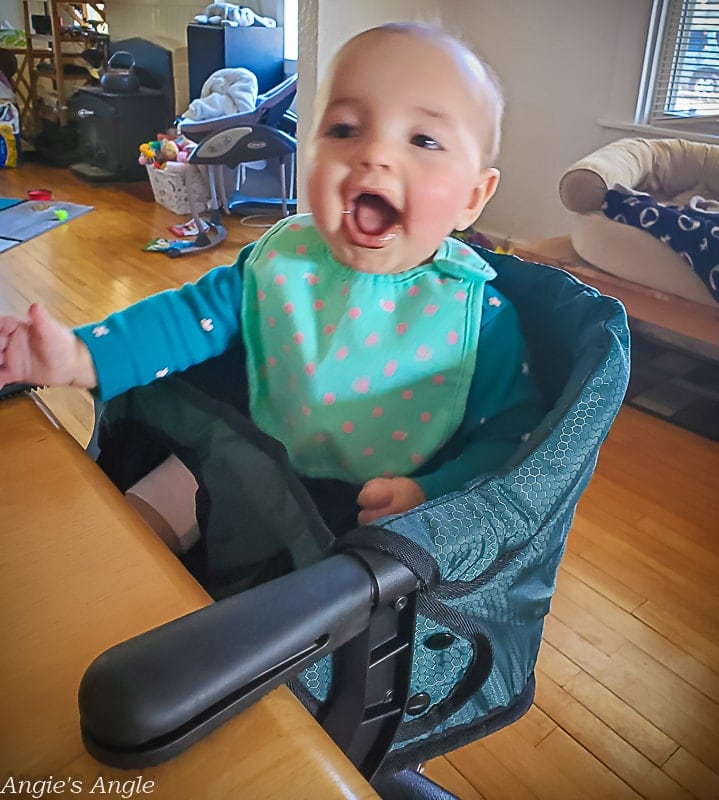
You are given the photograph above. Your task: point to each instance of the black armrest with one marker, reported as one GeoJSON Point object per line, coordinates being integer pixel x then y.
{"type": "Point", "coordinates": [151, 697]}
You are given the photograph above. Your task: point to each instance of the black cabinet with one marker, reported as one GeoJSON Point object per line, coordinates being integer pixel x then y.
{"type": "Point", "coordinates": [212, 47]}
{"type": "Point", "coordinates": [111, 128]}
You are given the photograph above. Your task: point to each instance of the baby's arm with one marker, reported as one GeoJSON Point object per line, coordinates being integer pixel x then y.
{"type": "Point", "coordinates": [381, 497]}
{"type": "Point", "coordinates": [39, 350]}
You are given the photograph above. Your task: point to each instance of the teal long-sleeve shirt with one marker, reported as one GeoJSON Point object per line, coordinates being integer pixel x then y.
{"type": "Point", "coordinates": [175, 329]}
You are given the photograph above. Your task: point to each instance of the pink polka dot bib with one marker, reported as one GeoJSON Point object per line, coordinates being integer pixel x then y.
{"type": "Point", "coordinates": [358, 375]}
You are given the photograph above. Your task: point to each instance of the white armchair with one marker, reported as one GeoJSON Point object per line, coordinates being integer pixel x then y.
{"type": "Point", "coordinates": [672, 171]}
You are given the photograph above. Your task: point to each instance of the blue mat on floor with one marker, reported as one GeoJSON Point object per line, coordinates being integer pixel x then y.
{"type": "Point", "coordinates": [21, 220]}
{"type": "Point", "coordinates": [8, 202]}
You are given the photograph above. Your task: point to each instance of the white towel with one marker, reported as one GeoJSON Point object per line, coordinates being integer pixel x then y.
{"type": "Point", "coordinates": [227, 91]}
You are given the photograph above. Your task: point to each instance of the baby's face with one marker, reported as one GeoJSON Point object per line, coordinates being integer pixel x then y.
{"type": "Point", "coordinates": [395, 162]}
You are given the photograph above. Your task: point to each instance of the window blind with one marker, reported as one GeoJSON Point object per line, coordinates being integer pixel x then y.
{"type": "Point", "coordinates": [686, 76]}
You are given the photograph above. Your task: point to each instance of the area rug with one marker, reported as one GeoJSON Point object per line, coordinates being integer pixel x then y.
{"type": "Point", "coordinates": [675, 383]}
{"type": "Point", "coordinates": [21, 220]}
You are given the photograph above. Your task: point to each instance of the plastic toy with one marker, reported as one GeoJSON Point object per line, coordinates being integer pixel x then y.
{"type": "Point", "coordinates": [165, 148]}
{"type": "Point", "coordinates": [167, 246]}
{"type": "Point", "coordinates": [188, 228]}
{"type": "Point", "coordinates": [39, 194]}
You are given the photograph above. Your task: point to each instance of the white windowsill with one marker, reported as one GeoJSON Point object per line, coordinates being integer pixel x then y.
{"type": "Point", "coordinates": [681, 132]}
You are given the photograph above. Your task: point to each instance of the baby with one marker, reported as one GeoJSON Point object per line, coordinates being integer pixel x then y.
{"type": "Point", "coordinates": [378, 351]}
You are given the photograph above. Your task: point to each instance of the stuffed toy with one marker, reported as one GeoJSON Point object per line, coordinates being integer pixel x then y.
{"type": "Point", "coordinates": [231, 15]}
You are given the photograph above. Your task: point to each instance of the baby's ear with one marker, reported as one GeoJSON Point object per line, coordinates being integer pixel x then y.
{"type": "Point", "coordinates": [480, 195]}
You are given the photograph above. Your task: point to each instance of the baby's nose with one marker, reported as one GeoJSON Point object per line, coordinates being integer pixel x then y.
{"type": "Point", "coordinates": [377, 151]}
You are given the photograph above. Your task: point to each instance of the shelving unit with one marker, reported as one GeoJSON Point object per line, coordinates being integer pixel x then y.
{"type": "Point", "coordinates": [53, 54]}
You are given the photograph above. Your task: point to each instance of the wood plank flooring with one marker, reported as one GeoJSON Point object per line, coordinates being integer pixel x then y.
{"type": "Point", "coordinates": [627, 702]}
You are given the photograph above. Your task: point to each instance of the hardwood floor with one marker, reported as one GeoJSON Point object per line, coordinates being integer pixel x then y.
{"type": "Point", "coordinates": [627, 700]}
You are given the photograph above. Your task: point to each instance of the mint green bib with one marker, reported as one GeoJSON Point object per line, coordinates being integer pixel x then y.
{"type": "Point", "coordinates": [359, 375]}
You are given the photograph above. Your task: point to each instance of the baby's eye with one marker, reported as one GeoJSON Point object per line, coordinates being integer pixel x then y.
{"type": "Point", "coordinates": [425, 141]}
{"type": "Point", "coordinates": [341, 130]}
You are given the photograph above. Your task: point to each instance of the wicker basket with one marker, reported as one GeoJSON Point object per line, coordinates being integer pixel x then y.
{"type": "Point", "coordinates": [176, 185]}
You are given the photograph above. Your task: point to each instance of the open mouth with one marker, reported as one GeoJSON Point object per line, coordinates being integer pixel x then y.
{"type": "Point", "coordinates": [372, 220]}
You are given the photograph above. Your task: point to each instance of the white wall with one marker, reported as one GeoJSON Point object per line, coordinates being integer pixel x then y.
{"type": "Point", "coordinates": [563, 65]}
{"type": "Point", "coordinates": [11, 10]}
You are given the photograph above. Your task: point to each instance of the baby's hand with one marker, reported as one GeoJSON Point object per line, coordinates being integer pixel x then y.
{"type": "Point", "coordinates": [381, 497]}
{"type": "Point", "coordinates": [39, 350]}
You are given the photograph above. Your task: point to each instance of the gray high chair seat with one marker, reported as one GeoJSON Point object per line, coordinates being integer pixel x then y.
{"type": "Point", "coordinates": [406, 638]}
{"type": "Point", "coordinates": [263, 134]}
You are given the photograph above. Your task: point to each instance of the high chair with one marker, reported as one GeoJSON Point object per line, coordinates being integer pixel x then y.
{"type": "Point", "coordinates": [235, 140]}
{"type": "Point", "coordinates": [406, 638]}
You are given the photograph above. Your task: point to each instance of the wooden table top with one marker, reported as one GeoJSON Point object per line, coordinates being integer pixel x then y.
{"type": "Point", "coordinates": [79, 572]}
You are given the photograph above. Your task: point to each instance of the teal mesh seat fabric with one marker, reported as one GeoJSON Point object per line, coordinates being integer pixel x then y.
{"type": "Point", "coordinates": [486, 556]}
{"type": "Point", "coordinates": [496, 544]}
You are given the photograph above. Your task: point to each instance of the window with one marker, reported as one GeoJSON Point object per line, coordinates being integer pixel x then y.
{"type": "Point", "coordinates": [291, 32]}
{"type": "Point", "coordinates": [681, 70]}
